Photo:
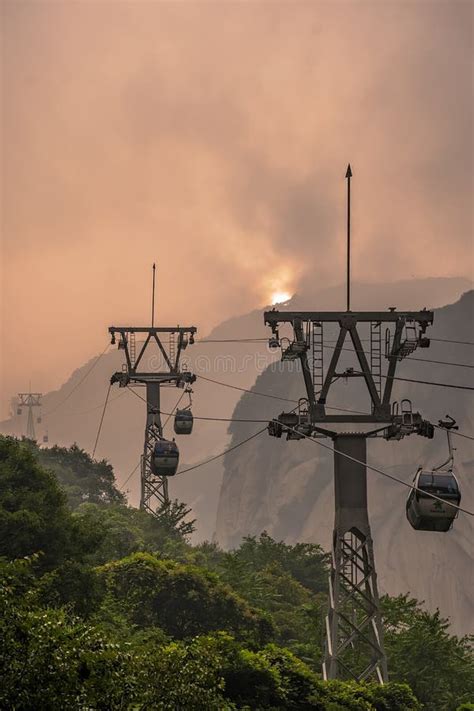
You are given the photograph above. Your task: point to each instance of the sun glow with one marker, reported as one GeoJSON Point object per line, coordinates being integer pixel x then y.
{"type": "Point", "coordinates": [279, 297]}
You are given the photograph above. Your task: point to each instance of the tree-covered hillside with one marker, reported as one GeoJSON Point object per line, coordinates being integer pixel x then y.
{"type": "Point", "coordinates": [106, 607]}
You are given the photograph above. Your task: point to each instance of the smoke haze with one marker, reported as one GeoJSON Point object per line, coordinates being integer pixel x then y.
{"type": "Point", "coordinates": [213, 138]}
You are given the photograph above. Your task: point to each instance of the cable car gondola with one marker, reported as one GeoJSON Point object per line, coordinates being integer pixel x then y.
{"type": "Point", "coordinates": [426, 513]}
{"type": "Point", "coordinates": [165, 458]}
{"type": "Point", "coordinates": [183, 421]}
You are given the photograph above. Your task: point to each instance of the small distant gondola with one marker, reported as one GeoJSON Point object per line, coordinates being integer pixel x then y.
{"type": "Point", "coordinates": [165, 458]}
{"type": "Point", "coordinates": [433, 501]}
{"type": "Point", "coordinates": [183, 421]}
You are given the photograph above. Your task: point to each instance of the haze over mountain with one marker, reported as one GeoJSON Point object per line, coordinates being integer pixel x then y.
{"type": "Point", "coordinates": [213, 138]}
{"type": "Point", "coordinates": [72, 413]}
{"type": "Point", "coordinates": [286, 488]}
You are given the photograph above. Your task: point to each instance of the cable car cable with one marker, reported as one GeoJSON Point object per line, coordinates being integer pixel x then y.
{"type": "Point", "coordinates": [170, 414]}
{"type": "Point", "coordinates": [352, 350]}
{"type": "Point", "coordinates": [231, 340]}
{"type": "Point", "coordinates": [256, 434]}
{"type": "Point", "coordinates": [221, 454]}
{"type": "Point", "coordinates": [245, 390]}
{"type": "Point", "coordinates": [428, 382]}
{"type": "Point", "coordinates": [45, 414]}
{"type": "Point", "coordinates": [410, 358]}
{"type": "Point", "coordinates": [255, 340]}
{"type": "Point", "coordinates": [92, 409]}
{"type": "Point", "coordinates": [455, 432]}
{"type": "Point", "coordinates": [254, 392]}
{"type": "Point", "coordinates": [379, 471]}
{"type": "Point", "coordinates": [447, 340]}
{"type": "Point", "coordinates": [129, 476]}
{"type": "Point", "coordinates": [251, 392]}
{"type": "Point", "coordinates": [101, 420]}
{"type": "Point", "coordinates": [216, 419]}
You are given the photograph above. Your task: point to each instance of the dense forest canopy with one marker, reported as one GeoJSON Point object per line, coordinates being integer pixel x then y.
{"type": "Point", "coordinates": [106, 607]}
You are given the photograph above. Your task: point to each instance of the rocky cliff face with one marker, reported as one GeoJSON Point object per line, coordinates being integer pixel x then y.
{"type": "Point", "coordinates": [286, 487]}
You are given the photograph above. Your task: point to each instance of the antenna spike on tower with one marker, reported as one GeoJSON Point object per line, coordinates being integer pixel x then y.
{"type": "Point", "coordinates": [153, 298]}
{"type": "Point", "coordinates": [348, 176]}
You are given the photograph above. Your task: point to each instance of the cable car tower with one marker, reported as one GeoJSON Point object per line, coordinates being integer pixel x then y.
{"type": "Point", "coordinates": [354, 646]}
{"type": "Point", "coordinates": [171, 341]}
{"type": "Point", "coordinates": [30, 401]}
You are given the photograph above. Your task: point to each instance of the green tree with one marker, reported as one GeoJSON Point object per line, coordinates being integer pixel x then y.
{"type": "Point", "coordinates": [394, 697]}
{"type": "Point", "coordinates": [184, 676]}
{"type": "Point", "coordinates": [34, 516]}
{"type": "Point", "coordinates": [82, 478]}
{"type": "Point", "coordinates": [438, 666]}
{"type": "Point", "coordinates": [74, 584]}
{"type": "Point", "coordinates": [126, 530]}
{"type": "Point", "coordinates": [181, 599]}
{"type": "Point", "coordinates": [51, 661]}
{"type": "Point", "coordinates": [262, 575]}
{"type": "Point", "coordinates": [305, 562]}
{"type": "Point", "coordinates": [173, 518]}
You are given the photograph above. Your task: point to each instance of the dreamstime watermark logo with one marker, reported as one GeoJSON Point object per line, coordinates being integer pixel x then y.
{"type": "Point", "coordinates": [225, 364]}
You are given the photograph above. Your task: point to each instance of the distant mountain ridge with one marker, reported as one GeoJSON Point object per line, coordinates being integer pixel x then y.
{"type": "Point", "coordinates": [72, 413]}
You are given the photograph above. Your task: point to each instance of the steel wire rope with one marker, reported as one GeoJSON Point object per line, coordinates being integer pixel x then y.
{"type": "Point", "coordinates": [101, 420]}
{"type": "Point", "coordinates": [170, 414]}
{"type": "Point", "coordinates": [353, 350]}
{"type": "Point", "coordinates": [221, 454]}
{"type": "Point", "coordinates": [121, 486]}
{"type": "Point", "coordinates": [77, 385]}
{"type": "Point", "coordinates": [379, 471]}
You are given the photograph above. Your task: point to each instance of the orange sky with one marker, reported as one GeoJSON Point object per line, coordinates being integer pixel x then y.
{"type": "Point", "coordinates": [212, 138]}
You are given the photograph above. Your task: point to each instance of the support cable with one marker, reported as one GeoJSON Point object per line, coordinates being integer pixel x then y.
{"type": "Point", "coordinates": [351, 350]}
{"type": "Point", "coordinates": [250, 392]}
{"type": "Point", "coordinates": [77, 385]}
{"type": "Point", "coordinates": [410, 358]}
{"type": "Point", "coordinates": [245, 390]}
{"type": "Point", "coordinates": [448, 340]}
{"type": "Point", "coordinates": [101, 420]}
{"type": "Point", "coordinates": [170, 414]}
{"type": "Point", "coordinates": [256, 434]}
{"type": "Point", "coordinates": [428, 382]}
{"type": "Point", "coordinates": [379, 471]}
{"type": "Point", "coordinates": [221, 454]}
{"type": "Point", "coordinates": [455, 432]}
{"type": "Point", "coordinates": [92, 409]}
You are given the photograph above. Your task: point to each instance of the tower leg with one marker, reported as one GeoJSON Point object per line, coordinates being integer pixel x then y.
{"type": "Point", "coordinates": [154, 489]}
{"type": "Point", "coordinates": [30, 424]}
{"type": "Point", "coordinates": [354, 634]}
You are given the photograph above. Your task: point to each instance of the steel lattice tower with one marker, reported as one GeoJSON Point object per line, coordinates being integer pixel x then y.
{"type": "Point", "coordinates": [30, 401]}
{"type": "Point", "coordinates": [154, 489]}
{"type": "Point", "coordinates": [354, 645]}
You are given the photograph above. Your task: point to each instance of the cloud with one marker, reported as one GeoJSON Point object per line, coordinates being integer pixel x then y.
{"type": "Point", "coordinates": [213, 138]}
